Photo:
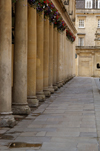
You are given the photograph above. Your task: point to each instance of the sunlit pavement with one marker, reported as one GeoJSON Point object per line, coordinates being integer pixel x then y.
{"type": "Point", "coordinates": [68, 121]}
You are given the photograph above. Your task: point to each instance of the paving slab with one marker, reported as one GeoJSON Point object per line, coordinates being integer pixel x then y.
{"type": "Point", "coordinates": [67, 121]}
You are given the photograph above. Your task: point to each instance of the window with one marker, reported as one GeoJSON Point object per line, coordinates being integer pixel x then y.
{"type": "Point", "coordinates": [81, 23]}
{"type": "Point", "coordinates": [81, 41]}
{"type": "Point", "coordinates": [98, 23]}
{"type": "Point", "coordinates": [88, 4]}
{"type": "Point", "coordinates": [98, 3]}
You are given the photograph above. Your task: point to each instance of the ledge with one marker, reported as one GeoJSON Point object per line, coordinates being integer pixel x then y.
{"type": "Point", "coordinates": [62, 10]}
{"type": "Point", "coordinates": [87, 47]}
{"type": "Point", "coordinates": [88, 11]}
{"type": "Point", "coordinates": [81, 34]}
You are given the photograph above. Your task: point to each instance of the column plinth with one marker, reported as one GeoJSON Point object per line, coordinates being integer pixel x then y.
{"type": "Point", "coordinates": [6, 117]}
{"type": "Point", "coordinates": [40, 96]}
{"type": "Point", "coordinates": [20, 104]}
{"type": "Point", "coordinates": [21, 109]}
{"type": "Point", "coordinates": [32, 101]}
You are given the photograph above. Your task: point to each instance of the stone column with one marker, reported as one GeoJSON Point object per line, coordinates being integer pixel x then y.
{"type": "Point", "coordinates": [6, 117]}
{"type": "Point", "coordinates": [68, 67]}
{"type": "Point", "coordinates": [39, 64]}
{"type": "Point", "coordinates": [63, 54]}
{"type": "Point", "coordinates": [59, 59]}
{"type": "Point", "coordinates": [51, 58]}
{"type": "Point", "coordinates": [74, 59]}
{"type": "Point", "coordinates": [55, 59]}
{"type": "Point", "coordinates": [78, 64]}
{"type": "Point", "coordinates": [20, 105]}
{"type": "Point", "coordinates": [70, 59]}
{"type": "Point", "coordinates": [65, 58]}
{"type": "Point", "coordinates": [46, 59]}
{"type": "Point", "coordinates": [32, 50]}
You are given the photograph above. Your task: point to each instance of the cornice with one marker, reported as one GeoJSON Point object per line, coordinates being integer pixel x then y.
{"type": "Point", "coordinates": [87, 48]}
{"type": "Point", "coordinates": [62, 10]}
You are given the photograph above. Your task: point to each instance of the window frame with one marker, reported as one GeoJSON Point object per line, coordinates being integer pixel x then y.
{"type": "Point", "coordinates": [80, 23]}
{"type": "Point", "coordinates": [98, 4]}
{"type": "Point", "coordinates": [89, 4]}
{"type": "Point", "coordinates": [80, 43]}
{"type": "Point", "coordinates": [98, 23]}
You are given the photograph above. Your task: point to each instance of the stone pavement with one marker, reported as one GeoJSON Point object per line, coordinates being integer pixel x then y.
{"type": "Point", "coordinates": [68, 121]}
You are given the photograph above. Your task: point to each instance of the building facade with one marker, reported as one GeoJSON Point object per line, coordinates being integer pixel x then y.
{"type": "Point", "coordinates": [88, 37]}
{"type": "Point", "coordinates": [37, 58]}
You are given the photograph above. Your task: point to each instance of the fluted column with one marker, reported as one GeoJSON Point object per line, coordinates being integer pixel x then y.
{"type": "Point", "coordinates": [66, 64]}
{"type": "Point", "coordinates": [74, 60]}
{"type": "Point", "coordinates": [51, 38]}
{"type": "Point", "coordinates": [39, 64]}
{"type": "Point", "coordinates": [6, 117]}
{"type": "Point", "coordinates": [20, 105]}
{"type": "Point", "coordinates": [55, 59]}
{"type": "Point", "coordinates": [59, 59]}
{"type": "Point", "coordinates": [32, 52]}
{"type": "Point", "coordinates": [64, 54]}
{"type": "Point", "coordinates": [69, 53]}
{"type": "Point", "coordinates": [68, 49]}
{"type": "Point", "coordinates": [46, 59]}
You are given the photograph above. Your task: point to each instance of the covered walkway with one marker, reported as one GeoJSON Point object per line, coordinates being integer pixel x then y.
{"type": "Point", "coordinates": [68, 121]}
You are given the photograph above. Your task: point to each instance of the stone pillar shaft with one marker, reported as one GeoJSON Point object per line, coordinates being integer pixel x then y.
{"type": "Point", "coordinates": [51, 56]}
{"type": "Point", "coordinates": [40, 47]}
{"type": "Point", "coordinates": [6, 119]}
{"type": "Point", "coordinates": [46, 59]}
{"type": "Point", "coordinates": [55, 59]}
{"type": "Point", "coordinates": [32, 52]}
{"type": "Point", "coordinates": [46, 54]}
{"type": "Point", "coordinates": [63, 63]}
{"type": "Point", "coordinates": [20, 105]}
{"type": "Point", "coordinates": [59, 59]}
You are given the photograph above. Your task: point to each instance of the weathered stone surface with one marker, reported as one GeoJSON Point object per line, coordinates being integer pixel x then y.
{"type": "Point", "coordinates": [7, 121]}
{"type": "Point", "coordinates": [21, 109]}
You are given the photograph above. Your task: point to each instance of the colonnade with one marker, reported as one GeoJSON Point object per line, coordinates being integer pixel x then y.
{"type": "Point", "coordinates": [43, 60]}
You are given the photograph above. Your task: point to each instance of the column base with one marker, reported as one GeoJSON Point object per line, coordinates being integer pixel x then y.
{"type": "Point", "coordinates": [63, 82]}
{"type": "Point", "coordinates": [47, 92]}
{"type": "Point", "coordinates": [60, 84]}
{"type": "Point", "coordinates": [51, 89]}
{"type": "Point", "coordinates": [66, 80]}
{"type": "Point", "coordinates": [7, 119]}
{"type": "Point", "coordinates": [32, 101]}
{"type": "Point", "coordinates": [21, 109]}
{"type": "Point", "coordinates": [40, 96]}
{"type": "Point", "coordinates": [55, 87]}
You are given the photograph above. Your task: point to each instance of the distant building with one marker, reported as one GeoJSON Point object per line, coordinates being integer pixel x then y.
{"type": "Point", "coordinates": [88, 37]}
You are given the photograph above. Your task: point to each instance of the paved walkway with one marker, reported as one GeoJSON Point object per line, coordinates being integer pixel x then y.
{"type": "Point", "coordinates": [68, 121]}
